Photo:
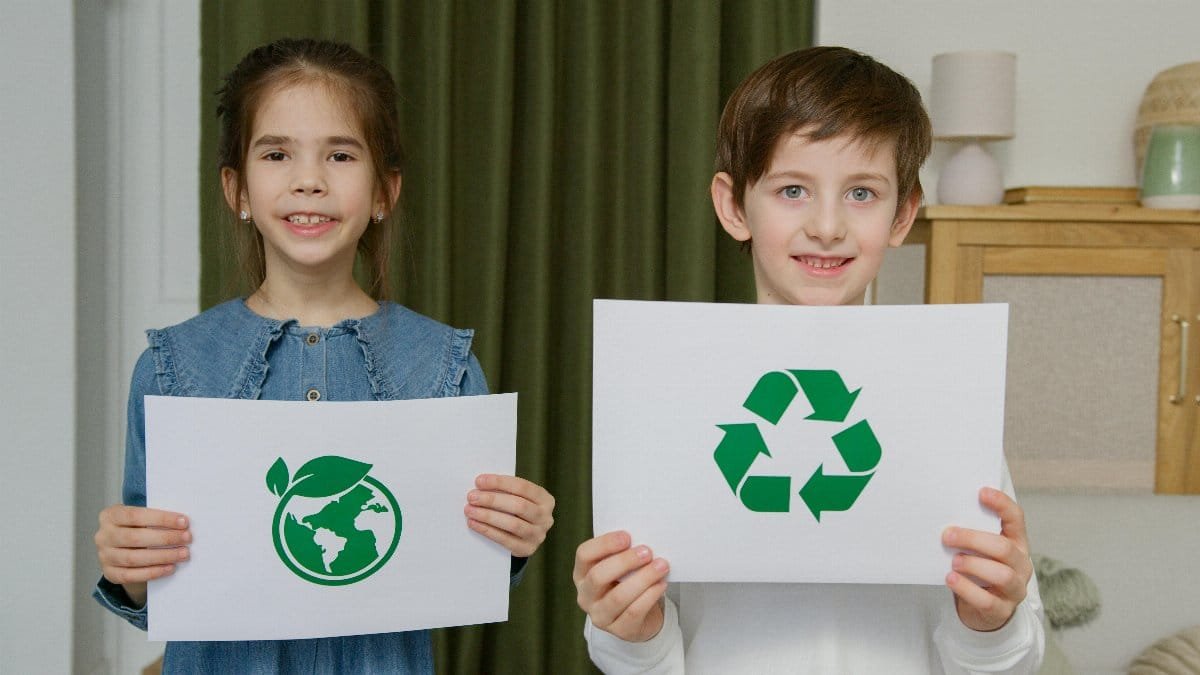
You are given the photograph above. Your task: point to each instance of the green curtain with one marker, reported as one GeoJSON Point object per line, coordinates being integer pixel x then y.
{"type": "Point", "coordinates": [557, 152]}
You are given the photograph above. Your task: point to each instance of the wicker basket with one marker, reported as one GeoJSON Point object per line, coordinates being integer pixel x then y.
{"type": "Point", "coordinates": [1173, 97]}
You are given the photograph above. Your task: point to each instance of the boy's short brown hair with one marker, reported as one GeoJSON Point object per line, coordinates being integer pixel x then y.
{"type": "Point", "coordinates": [834, 91]}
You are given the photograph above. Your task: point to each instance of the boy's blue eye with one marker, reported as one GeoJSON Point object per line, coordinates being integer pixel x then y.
{"type": "Point", "coordinates": [861, 194]}
{"type": "Point", "coordinates": [792, 192]}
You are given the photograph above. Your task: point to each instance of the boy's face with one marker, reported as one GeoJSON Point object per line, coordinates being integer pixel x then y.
{"type": "Point", "coordinates": [819, 219]}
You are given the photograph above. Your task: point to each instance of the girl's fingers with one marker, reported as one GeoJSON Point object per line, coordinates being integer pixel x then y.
{"type": "Point", "coordinates": [134, 575]}
{"type": "Point", "coordinates": [515, 545]}
{"type": "Point", "coordinates": [516, 486]}
{"type": "Point", "coordinates": [521, 529]}
{"type": "Point", "coordinates": [508, 503]}
{"type": "Point", "coordinates": [143, 557]}
{"type": "Point", "coordinates": [138, 516]}
{"type": "Point", "coordinates": [143, 537]}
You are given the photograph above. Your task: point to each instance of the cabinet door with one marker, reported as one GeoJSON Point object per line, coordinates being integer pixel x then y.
{"type": "Point", "coordinates": [1095, 363]}
{"type": "Point", "coordinates": [1179, 394]}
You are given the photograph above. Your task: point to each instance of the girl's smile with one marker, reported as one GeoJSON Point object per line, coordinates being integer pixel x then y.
{"type": "Point", "coordinates": [310, 224]}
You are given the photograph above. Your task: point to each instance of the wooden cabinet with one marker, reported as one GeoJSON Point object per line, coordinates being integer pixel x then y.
{"type": "Point", "coordinates": [967, 245]}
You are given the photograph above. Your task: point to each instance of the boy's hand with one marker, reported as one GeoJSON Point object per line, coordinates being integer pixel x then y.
{"type": "Point", "coordinates": [510, 511]}
{"type": "Point", "coordinates": [137, 544]}
{"type": "Point", "coordinates": [620, 588]}
{"type": "Point", "coordinates": [990, 577]}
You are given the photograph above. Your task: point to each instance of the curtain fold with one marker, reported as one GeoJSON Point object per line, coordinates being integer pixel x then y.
{"type": "Point", "coordinates": [557, 152]}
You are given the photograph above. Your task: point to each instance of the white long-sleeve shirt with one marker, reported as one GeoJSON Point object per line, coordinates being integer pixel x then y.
{"type": "Point", "coordinates": [758, 629]}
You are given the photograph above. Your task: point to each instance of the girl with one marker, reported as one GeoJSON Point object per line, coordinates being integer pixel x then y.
{"type": "Point", "coordinates": [311, 165]}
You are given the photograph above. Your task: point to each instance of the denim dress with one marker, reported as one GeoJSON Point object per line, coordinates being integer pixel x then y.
{"type": "Point", "coordinates": [231, 352]}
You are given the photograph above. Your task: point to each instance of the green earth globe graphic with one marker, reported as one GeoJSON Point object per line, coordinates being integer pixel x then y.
{"type": "Point", "coordinates": [340, 538]}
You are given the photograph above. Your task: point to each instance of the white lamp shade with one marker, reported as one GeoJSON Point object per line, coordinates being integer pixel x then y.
{"type": "Point", "coordinates": [973, 95]}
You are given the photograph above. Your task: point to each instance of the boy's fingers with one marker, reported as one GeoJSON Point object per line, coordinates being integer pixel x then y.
{"type": "Point", "coordinates": [604, 575]}
{"type": "Point", "coordinates": [621, 597]}
{"type": "Point", "coordinates": [988, 544]}
{"type": "Point", "coordinates": [984, 604]}
{"type": "Point", "coordinates": [596, 549]}
{"type": "Point", "coordinates": [638, 609]}
{"type": "Point", "coordinates": [1001, 579]}
{"type": "Point", "coordinates": [619, 602]}
{"type": "Point", "coordinates": [1012, 517]}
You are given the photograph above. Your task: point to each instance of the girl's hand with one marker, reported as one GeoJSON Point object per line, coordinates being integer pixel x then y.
{"type": "Point", "coordinates": [510, 511]}
{"type": "Point", "coordinates": [136, 544]}
{"type": "Point", "coordinates": [989, 579]}
{"type": "Point", "coordinates": [619, 587]}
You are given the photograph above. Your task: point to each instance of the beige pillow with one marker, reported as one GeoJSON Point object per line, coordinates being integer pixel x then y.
{"type": "Point", "coordinates": [1175, 655]}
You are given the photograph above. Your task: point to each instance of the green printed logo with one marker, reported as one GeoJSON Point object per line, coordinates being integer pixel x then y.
{"type": "Point", "coordinates": [831, 402]}
{"type": "Point", "coordinates": [334, 525]}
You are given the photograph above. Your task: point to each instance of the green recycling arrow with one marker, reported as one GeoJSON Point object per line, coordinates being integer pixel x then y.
{"type": "Point", "coordinates": [742, 444]}
{"type": "Point", "coordinates": [831, 401]}
{"type": "Point", "coordinates": [825, 492]}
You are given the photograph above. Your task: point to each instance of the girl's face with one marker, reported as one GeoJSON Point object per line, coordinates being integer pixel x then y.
{"type": "Point", "coordinates": [309, 183]}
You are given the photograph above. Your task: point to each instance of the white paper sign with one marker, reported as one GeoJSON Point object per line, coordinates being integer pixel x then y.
{"type": "Point", "coordinates": [324, 519]}
{"type": "Point", "coordinates": [797, 444]}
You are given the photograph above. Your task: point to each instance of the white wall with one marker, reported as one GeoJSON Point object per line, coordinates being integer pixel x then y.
{"type": "Point", "coordinates": [145, 179]}
{"type": "Point", "coordinates": [37, 336]}
{"type": "Point", "coordinates": [1082, 66]}
{"type": "Point", "coordinates": [100, 104]}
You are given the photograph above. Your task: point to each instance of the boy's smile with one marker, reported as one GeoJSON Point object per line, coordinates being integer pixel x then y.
{"type": "Point", "coordinates": [819, 219]}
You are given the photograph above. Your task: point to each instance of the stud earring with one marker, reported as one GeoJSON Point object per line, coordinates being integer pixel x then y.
{"type": "Point", "coordinates": [378, 217]}
{"type": "Point", "coordinates": [244, 215]}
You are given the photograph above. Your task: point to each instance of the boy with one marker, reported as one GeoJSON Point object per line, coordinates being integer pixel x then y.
{"type": "Point", "coordinates": [818, 154]}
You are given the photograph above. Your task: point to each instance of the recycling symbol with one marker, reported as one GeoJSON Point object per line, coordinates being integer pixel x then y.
{"type": "Point", "coordinates": [831, 402]}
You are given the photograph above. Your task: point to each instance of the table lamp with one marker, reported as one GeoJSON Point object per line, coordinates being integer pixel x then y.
{"type": "Point", "coordinates": [972, 99]}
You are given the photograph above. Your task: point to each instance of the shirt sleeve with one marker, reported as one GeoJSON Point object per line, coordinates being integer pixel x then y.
{"type": "Point", "coordinates": [660, 655]}
{"type": "Point", "coordinates": [474, 383]}
{"type": "Point", "coordinates": [133, 490]}
{"type": "Point", "coordinates": [1016, 648]}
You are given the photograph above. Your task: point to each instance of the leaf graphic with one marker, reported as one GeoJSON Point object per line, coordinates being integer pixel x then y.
{"type": "Point", "coordinates": [329, 475]}
{"type": "Point", "coordinates": [277, 477]}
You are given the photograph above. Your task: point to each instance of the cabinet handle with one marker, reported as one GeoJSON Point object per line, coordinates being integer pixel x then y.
{"type": "Point", "coordinates": [1183, 354]}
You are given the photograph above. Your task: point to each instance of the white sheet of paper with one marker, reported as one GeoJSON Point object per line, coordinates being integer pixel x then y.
{"type": "Point", "coordinates": [209, 459]}
{"type": "Point", "coordinates": [931, 391]}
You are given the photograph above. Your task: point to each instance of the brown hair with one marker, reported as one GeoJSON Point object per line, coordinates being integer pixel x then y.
{"type": "Point", "coordinates": [366, 89]}
{"type": "Point", "coordinates": [834, 91]}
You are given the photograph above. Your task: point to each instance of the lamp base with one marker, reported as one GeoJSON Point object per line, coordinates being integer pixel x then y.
{"type": "Point", "coordinates": [971, 176]}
